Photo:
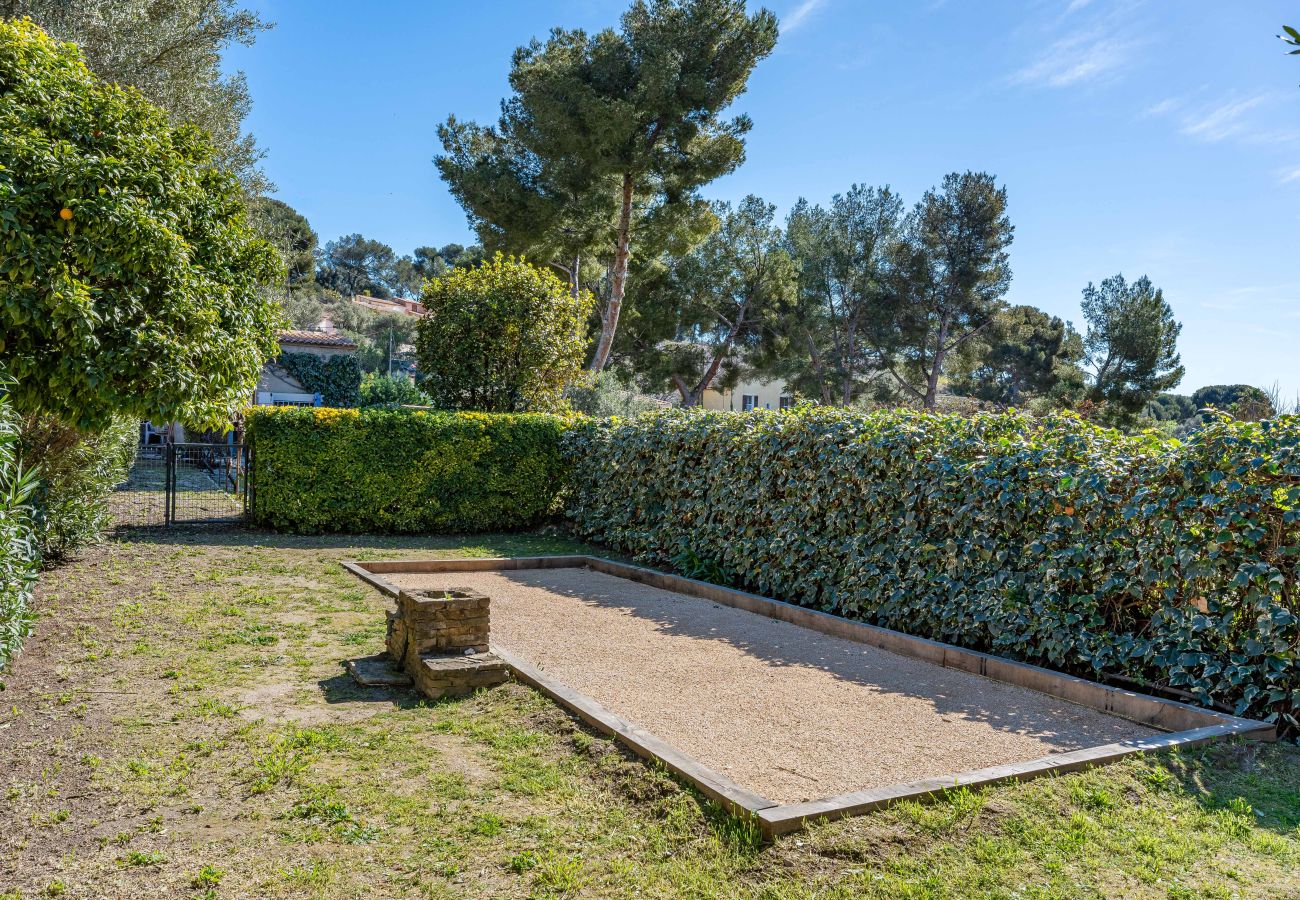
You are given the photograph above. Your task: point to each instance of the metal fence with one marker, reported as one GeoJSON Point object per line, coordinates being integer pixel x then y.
{"type": "Point", "coordinates": [184, 484]}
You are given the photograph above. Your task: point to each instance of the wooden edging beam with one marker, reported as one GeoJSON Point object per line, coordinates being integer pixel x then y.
{"type": "Point", "coordinates": [714, 785]}
{"type": "Point", "coordinates": [1188, 725]}
{"type": "Point", "coordinates": [794, 816]}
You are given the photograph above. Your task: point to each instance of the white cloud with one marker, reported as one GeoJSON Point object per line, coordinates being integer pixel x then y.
{"type": "Point", "coordinates": [1223, 121]}
{"type": "Point", "coordinates": [1289, 175]}
{"type": "Point", "coordinates": [1076, 5]}
{"type": "Point", "coordinates": [1163, 108]}
{"type": "Point", "coordinates": [1077, 59]}
{"type": "Point", "coordinates": [800, 14]}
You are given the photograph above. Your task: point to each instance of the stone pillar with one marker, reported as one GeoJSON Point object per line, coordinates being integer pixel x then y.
{"type": "Point", "coordinates": [440, 638]}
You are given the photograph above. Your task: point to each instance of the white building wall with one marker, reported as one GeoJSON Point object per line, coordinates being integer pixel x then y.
{"type": "Point", "coordinates": [762, 394]}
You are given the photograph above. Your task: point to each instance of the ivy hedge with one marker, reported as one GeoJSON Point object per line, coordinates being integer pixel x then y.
{"type": "Point", "coordinates": [1054, 541]}
{"type": "Point", "coordinates": [375, 470]}
{"type": "Point", "coordinates": [337, 378]}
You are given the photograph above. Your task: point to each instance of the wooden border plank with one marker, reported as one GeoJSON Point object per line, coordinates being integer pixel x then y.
{"type": "Point", "coordinates": [791, 817]}
{"type": "Point", "coordinates": [714, 785]}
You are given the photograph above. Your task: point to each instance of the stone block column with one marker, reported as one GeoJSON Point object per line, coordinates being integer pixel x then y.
{"type": "Point", "coordinates": [441, 639]}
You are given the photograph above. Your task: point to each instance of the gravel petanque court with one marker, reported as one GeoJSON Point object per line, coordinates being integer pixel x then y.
{"type": "Point", "coordinates": [784, 711]}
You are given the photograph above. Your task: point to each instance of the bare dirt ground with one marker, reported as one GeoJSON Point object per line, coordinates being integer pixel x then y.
{"type": "Point", "coordinates": [180, 726]}
{"type": "Point", "coordinates": [786, 712]}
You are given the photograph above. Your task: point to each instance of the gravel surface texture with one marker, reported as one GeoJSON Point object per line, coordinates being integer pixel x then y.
{"type": "Point", "coordinates": [784, 711]}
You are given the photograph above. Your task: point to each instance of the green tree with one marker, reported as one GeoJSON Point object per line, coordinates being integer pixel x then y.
{"type": "Point", "coordinates": [355, 265]}
{"type": "Point", "coordinates": [1131, 347]}
{"type": "Point", "coordinates": [131, 281]}
{"type": "Point", "coordinates": [290, 233]}
{"type": "Point", "coordinates": [721, 297]}
{"type": "Point", "coordinates": [952, 273]}
{"type": "Point", "coordinates": [171, 51]}
{"type": "Point", "coordinates": [1167, 407]}
{"type": "Point", "coordinates": [433, 262]}
{"type": "Point", "coordinates": [504, 337]}
{"type": "Point", "coordinates": [380, 390]}
{"type": "Point", "coordinates": [608, 137]}
{"type": "Point", "coordinates": [1025, 353]}
{"type": "Point", "coordinates": [825, 344]}
{"type": "Point", "coordinates": [1243, 401]}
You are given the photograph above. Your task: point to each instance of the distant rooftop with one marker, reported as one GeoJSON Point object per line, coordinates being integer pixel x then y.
{"type": "Point", "coordinates": [316, 339]}
{"type": "Point", "coordinates": [389, 304]}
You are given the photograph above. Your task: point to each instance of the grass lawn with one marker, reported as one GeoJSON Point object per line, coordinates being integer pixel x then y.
{"type": "Point", "coordinates": [180, 726]}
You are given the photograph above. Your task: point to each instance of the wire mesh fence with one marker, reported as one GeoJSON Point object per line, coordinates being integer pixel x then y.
{"type": "Point", "coordinates": [184, 484]}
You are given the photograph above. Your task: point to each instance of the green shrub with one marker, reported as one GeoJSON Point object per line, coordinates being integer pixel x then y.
{"type": "Point", "coordinates": [504, 337]}
{"type": "Point", "coordinates": [1048, 540]}
{"type": "Point", "coordinates": [375, 470]}
{"type": "Point", "coordinates": [378, 390]}
{"type": "Point", "coordinates": [78, 472]}
{"type": "Point", "coordinates": [337, 378]}
{"type": "Point", "coordinates": [18, 552]}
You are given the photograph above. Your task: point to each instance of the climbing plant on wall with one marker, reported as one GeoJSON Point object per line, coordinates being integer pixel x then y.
{"type": "Point", "coordinates": [337, 378]}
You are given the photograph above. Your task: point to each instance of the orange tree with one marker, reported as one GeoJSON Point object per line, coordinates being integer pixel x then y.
{"type": "Point", "coordinates": [129, 278]}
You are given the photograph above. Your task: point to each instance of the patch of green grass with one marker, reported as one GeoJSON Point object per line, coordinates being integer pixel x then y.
{"type": "Point", "coordinates": [207, 877]}
{"type": "Point", "coordinates": [143, 858]}
{"type": "Point", "coordinates": [287, 754]}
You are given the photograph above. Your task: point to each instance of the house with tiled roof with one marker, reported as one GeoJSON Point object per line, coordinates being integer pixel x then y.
{"type": "Point", "coordinates": [277, 387]}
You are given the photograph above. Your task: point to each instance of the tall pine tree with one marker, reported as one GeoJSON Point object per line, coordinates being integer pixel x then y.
{"type": "Point", "coordinates": [608, 137]}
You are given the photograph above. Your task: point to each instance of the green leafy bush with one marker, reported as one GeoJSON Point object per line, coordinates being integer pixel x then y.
{"type": "Point", "coordinates": [129, 275]}
{"type": "Point", "coordinates": [378, 390]}
{"type": "Point", "coordinates": [377, 470]}
{"type": "Point", "coordinates": [504, 337]}
{"type": "Point", "coordinates": [18, 552]}
{"type": "Point", "coordinates": [337, 378]}
{"type": "Point", "coordinates": [1048, 540]}
{"type": "Point", "coordinates": [77, 474]}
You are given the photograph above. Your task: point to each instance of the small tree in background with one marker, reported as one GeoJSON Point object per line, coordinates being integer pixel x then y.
{"type": "Point", "coordinates": [382, 390]}
{"type": "Point", "coordinates": [290, 233]}
{"type": "Point", "coordinates": [1242, 401]}
{"type": "Point", "coordinates": [130, 278]}
{"type": "Point", "coordinates": [1025, 353]}
{"type": "Point", "coordinates": [358, 265]}
{"type": "Point", "coordinates": [718, 300]}
{"type": "Point", "coordinates": [504, 337]}
{"type": "Point", "coordinates": [952, 273]}
{"type": "Point", "coordinates": [1131, 346]}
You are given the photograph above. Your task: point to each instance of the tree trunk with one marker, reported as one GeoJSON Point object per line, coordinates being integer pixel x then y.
{"type": "Point", "coordinates": [936, 365]}
{"type": "Point", "coordinates": [819, 372]}
{"type": "Point", "coordinates": [846, 365]}
{"type": "Point", "coordinates": [688, 399]}
{"type": "Point", "coordinates": [575, 283]}
{"type": "Point", "coordinates": [622, 253]}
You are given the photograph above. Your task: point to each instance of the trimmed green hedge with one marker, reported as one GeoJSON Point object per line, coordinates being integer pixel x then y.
{"type": "Point", "coordinates": [318, 470]}
{"type": "Point", "coordinates": [1047, 540]}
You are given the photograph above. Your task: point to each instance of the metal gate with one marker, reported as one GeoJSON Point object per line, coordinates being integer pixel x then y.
{"type": "Point", "coordinates": [184, 484]}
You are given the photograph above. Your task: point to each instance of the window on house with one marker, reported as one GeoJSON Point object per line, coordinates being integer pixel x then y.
{"type": "Point", "coordinates": [748, 402]}
{"type": "Point", "coordinates": [786, 402]}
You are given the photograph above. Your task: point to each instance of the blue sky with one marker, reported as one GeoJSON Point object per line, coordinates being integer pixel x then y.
{"type": "Point", "coordinates": [1155, 138]}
